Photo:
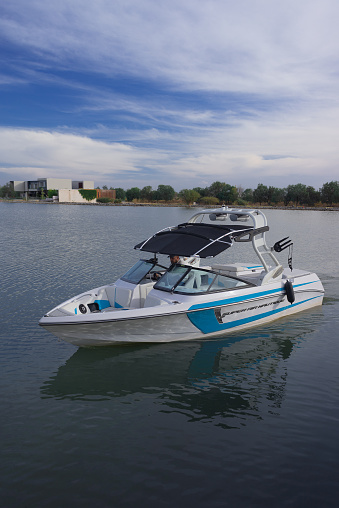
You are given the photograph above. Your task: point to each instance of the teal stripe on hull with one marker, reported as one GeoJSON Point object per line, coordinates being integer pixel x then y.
{"type": "Point", "coordinates": [243, 298]}
{"type": "Point", "coordinates": [206, 321]}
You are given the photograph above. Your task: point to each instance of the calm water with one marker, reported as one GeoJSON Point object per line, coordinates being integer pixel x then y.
{"type": "Point", "coordinates": [250, 420]}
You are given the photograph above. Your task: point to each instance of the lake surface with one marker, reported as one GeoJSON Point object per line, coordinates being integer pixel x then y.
{"type": "Point", "coordinates": [248, 420]}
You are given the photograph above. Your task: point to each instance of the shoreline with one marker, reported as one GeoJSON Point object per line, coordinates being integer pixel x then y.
{"type": "Point", "coordinates": [176, 205]}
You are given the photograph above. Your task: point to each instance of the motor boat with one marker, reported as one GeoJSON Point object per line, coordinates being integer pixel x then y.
{"type": "Point", "coordinates": [153, 303]}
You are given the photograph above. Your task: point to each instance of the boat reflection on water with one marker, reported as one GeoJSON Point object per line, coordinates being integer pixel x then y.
{"type": "Point", "coordinates": [243, 377]}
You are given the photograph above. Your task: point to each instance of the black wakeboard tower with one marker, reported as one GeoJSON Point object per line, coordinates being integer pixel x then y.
{"type": "Point", "coordinates": [205, 239]}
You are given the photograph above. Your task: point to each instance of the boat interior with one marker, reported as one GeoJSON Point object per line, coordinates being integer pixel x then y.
{"type": "Point", "coordinates": [128, 293]}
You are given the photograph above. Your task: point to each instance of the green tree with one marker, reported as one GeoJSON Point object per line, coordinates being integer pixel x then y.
{"type": "Point", "coordinates": [330, 192]}
{"type": "Point", "coordinates": [165, 193]}
{"type": "Point", "coordinates": [223, 191]}
{"type": "Point", "coordinates": [260, 194]}
{"type": "Point", "coordinates": [276, 195]}
{"type": "Point", "coordinates": [247, 195]}
{"type": "Point", "coordinates": [215, 188]}
{"type": "Point", "coordinates": [297, 194]}
{"type": "Point", "coordinates": [104, 187]}
{"type": "Point", "coordinates": [155, 195]}
{"type": "Point", "coordinates": [313, 196]}
{"type": "Point", "coordinates": [7, 191]}
{"type": "Point", "coordinates": [189, 196]}
{"type": "Point", "coordinates": [146, 193]}
{"type": "Point", "coordinates": [202, 191]}
{"type": "Point", "coordinates": [228, 194]}
{"type": "Point", "coordinates": [120, 194]}
{"type": "Point", "coordinates": [133, 193]}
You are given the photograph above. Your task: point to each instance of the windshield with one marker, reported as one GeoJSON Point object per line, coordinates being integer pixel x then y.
{"type": "Point", "coordinates": [183, 279]}
{"type": "Point", "coordinates": [140, 270]}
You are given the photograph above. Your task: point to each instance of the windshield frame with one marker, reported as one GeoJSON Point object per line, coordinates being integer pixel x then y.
{"type": "Point", "coordinates": [175, 288]}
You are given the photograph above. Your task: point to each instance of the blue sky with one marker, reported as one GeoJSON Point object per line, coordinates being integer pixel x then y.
{"type": "Point", "coordinates": [147, 92]}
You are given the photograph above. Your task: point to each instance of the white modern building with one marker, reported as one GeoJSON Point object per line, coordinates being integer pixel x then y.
{"type": "Point", "coordinates": [33, 188]}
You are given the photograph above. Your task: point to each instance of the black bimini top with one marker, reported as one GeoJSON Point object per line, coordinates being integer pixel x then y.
{"type": "Point", "coordinates": [192, 239]}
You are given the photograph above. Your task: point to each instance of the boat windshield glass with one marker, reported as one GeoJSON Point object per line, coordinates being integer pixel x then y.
{"type": "Point", "coordinates": [140, 270]}
{"type": "Point", "coordinates": [183, 279]}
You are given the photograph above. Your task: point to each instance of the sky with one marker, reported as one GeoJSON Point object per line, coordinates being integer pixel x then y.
{"type": "Point", "coordinates": [147, 92]}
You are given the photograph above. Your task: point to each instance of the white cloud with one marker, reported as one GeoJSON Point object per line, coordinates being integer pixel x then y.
{"type": "Point", "coordinates": [42, 153]}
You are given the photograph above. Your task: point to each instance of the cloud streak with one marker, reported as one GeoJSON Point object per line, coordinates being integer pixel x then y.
{"type": "Point", "coordinates": [219, 45]}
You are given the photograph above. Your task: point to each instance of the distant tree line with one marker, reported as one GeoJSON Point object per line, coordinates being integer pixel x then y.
{"type": "Point", "coordinates": [146, 194]}
{"type": "Point", "coordinates": [221, 192]}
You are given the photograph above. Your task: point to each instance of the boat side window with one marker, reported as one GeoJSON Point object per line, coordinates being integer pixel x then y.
{"type": "Point", "coordinates": [140, 270]}
{"type": "Point", "coordinates": [222, 282]}
{"type": "Point", "coordinates": [203, 281]}
{"type": "Point", "coordinates": [195, 281]}
{"type": "Point", "coordinates": [183, 279]}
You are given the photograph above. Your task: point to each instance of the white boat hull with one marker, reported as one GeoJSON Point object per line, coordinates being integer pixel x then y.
{"type": "Point", "coordinates": [184, 321]}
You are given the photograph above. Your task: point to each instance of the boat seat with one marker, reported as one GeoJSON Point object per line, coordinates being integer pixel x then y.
{"type": "Point", "coordinates": [192, 284]}
{"type": "Point", "coordinates": [144, 289]}
{"type": "Point", "coordinates": [119, 297]}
